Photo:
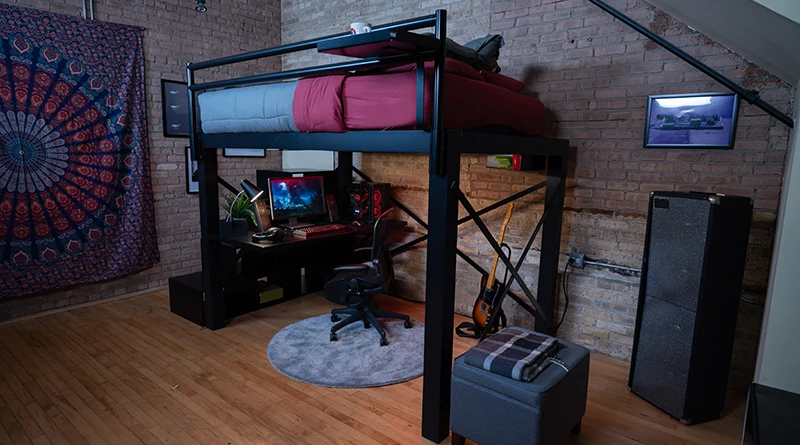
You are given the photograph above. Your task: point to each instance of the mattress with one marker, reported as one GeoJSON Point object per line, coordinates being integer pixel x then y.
{"type": "Point", "coordinates": [376, 101]}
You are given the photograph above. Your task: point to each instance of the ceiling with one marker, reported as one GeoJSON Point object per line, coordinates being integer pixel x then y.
{"type": "Point", "coordinates": [766, 32]}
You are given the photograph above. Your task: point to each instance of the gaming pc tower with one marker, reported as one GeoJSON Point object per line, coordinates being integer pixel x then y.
{"type": "Point", "coordinates": [368, 200]}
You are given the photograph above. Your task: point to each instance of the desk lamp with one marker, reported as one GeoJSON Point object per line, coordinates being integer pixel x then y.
{"type": "Point", "coordinates": [251, 190]}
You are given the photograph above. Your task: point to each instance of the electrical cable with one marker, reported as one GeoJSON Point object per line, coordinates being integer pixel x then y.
{"type": "Point", "coordinates": [566, 296]}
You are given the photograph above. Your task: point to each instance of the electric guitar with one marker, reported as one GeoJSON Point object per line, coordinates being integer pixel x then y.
{"type": "Point", "coordinates": [484, 304]}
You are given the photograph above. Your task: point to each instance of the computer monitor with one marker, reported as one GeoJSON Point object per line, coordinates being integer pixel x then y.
{"type": "Point", "coordinates": [298, 197]}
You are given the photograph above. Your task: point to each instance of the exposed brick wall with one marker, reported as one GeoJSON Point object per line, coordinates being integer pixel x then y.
{"type": "Point", "coordinates": [594, 75]}
{"type": "Point", "coordinates": [175, 33]}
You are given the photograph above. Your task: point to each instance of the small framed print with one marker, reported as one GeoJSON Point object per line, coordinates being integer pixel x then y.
{"type": "Point", "coordinates": [175, 108]}
{"type": "Point", "coordinates": [244, 152]}
{"type": "Point", "coordinates": [192, 182]}
{"type": "Point", "coordinates": [704, 120]}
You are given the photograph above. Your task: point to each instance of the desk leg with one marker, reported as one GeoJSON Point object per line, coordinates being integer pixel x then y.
{"type": "Point", "coordinates": [440, 297]}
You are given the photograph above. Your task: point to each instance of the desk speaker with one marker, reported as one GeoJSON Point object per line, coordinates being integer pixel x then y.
{"type": "Point", "coordinates": [692, 271]}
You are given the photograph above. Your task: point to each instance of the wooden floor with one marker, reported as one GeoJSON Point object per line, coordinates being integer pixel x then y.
{"type": "Point", "coordinates": [129, 372]}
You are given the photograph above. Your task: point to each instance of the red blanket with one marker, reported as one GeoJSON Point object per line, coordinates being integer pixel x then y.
{"type": "Point", "coordinates": [388, 101]}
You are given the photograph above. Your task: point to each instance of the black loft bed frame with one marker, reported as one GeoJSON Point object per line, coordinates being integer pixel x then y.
{"type": "Point", "coordinates": [444, 146]}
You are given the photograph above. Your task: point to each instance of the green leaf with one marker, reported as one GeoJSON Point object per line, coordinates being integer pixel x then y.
{"type": "Point", "coordinates": [242, 208]}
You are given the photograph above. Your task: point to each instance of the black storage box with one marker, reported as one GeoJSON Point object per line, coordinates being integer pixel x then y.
{"type": "Point", "coordinates": [186, 297]}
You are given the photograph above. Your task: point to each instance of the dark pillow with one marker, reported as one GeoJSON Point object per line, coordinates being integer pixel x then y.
{"type": "Point", "coordinates": [481, 54]}
{"type": "Point", "coordinates": [487, 50]}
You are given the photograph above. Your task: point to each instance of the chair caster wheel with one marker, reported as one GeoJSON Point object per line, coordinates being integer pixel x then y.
{"type": "Point", "coordinates": [407, 324]}
{"type": "Point", "coordinates": [333, 336]}
{"type": "Point", "coordinates": [367, 325]}
{"type": "Point", "coordinates": [384, 341]}
{"type": "Point", "coordinates": [335, 318]}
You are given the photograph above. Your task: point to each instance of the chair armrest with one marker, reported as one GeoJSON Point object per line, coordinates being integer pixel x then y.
{"type": "Point", "coordinates": [352, 268]}
{"type": "Point", "coordinates": [362, 254]}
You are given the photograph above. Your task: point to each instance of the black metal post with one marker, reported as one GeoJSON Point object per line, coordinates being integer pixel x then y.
{"type": "Point", "coordinates": [551, 238]}
{"type": "Point", "coordinates": [440, 296]}
{"type": "Point", "coordinates": [750, 96]}
{"type": "Point", "coordinates": [420, 95]}
{"type": "Point", "coordinates": [437, 154]}
{"type": "Point", "coordinates": [213, 303]}
{"type": "Point", "coordinates": [344, 172]}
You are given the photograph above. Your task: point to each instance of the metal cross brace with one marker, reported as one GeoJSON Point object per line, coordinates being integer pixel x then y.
{"type": "Point", "coordinates": [507, 286]}
{"type": "Point", "coordinates": [483, 271]}
{"type": "Point", "coordinates": [501, 255]}
{"type": "Point", "coordinates": [476, 214]}
{"type": "Point", "coordinates": [400, 249]}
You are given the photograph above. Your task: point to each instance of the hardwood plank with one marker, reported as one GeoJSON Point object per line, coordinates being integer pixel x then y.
{"type": "Point", "coordinates": [42, 407]}
{"type": "Point", "coordinates": [107, 373]}
{"type": "Point", "coordinates": [310, 409]}
{"type": "Point", "coordinates": [10, 424]}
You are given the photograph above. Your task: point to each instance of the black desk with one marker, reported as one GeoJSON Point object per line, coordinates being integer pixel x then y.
{"type": "Point", "coordinates": [280, 262]}
{"type": "Point", "coordinates": [289, 242]}
{"type": "Point", "coordinates": [298, 265]}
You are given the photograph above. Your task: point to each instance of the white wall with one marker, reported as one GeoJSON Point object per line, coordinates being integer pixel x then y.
{"type": "Point", "coordinates": [779, 354]}
{"type": "Point", "coordinates": [752, 30]}
{"type": "Point", "coordinates": [787, 8]}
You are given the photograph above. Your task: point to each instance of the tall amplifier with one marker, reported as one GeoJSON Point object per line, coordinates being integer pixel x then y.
{"type": "Point", "coordinates": [368, 200]}
{"type": "Point", "coordinates": [692, 271]}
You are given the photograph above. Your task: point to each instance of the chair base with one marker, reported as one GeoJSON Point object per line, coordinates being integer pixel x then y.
{"type": "Point", "coordinates": [369, 316]}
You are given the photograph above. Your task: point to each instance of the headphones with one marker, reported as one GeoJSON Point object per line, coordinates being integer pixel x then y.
{"type": "Point", "coordinates": [271, 234]}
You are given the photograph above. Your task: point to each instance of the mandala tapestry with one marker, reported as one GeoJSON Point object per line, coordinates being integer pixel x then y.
{"type": "Point", "coordinates": [76, 204]}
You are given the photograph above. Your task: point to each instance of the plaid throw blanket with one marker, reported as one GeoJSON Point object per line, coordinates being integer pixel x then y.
{"type": "Point", "coordinates": [513, 352]}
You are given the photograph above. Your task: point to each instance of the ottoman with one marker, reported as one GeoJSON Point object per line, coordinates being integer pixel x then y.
{"type": "Point", "coordinates": [491, 409]}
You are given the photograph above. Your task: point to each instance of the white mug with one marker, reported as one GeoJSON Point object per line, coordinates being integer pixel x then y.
{"type": "Point", "coordinates": [360, 27]}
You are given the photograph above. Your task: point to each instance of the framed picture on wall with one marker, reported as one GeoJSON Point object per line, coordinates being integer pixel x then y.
{"type": "Point", "coordinates": [244, 152]}
{"type": "Point", "coordinates": [192, 182]}
{"type": "Point", "coordinates": [705, 120]}
{"type": "Point", "coordinates": [175, 108]}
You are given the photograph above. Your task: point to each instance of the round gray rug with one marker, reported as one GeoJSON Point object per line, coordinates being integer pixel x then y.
{"type": "Point", "coordinates": [304, 352]}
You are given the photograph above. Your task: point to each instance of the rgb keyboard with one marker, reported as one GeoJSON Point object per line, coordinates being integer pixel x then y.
{"type": "Point", "coordinates": [322, 229]}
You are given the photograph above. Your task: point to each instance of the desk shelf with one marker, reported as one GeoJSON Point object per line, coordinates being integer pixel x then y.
{"type": "Point", "coordinates": [379, 43]}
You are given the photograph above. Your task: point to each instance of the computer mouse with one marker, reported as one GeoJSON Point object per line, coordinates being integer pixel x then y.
{"type": "Point", "coordinates": [358, 223]}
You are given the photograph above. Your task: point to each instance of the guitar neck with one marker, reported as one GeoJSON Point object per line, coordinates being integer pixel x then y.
{"type": "Point", "coordinates": [490, 282]}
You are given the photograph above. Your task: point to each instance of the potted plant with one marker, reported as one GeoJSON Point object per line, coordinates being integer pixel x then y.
{"type": "Point", "coordinates": [240, 216]}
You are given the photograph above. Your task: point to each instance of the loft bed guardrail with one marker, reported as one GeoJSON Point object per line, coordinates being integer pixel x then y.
{"type": "Point", "coordinates": [444, 147]}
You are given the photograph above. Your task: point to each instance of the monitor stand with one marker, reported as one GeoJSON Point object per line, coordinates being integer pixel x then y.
{"type": "Point", "coordinates": [293, 224]}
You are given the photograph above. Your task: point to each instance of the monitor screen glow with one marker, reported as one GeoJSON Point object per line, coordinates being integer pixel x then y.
{"type": "Point", "coordinates": [296, 197]}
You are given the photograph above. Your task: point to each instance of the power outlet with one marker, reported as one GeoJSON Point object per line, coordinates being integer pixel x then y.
{"type": "Point", "coordinates": [577, 260]}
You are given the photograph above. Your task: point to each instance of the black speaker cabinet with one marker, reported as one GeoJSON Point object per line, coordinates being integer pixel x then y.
{"type": "Point", "coordinates": [368, 200]}
{"type": "Point", "coordinates": [692, 271]}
